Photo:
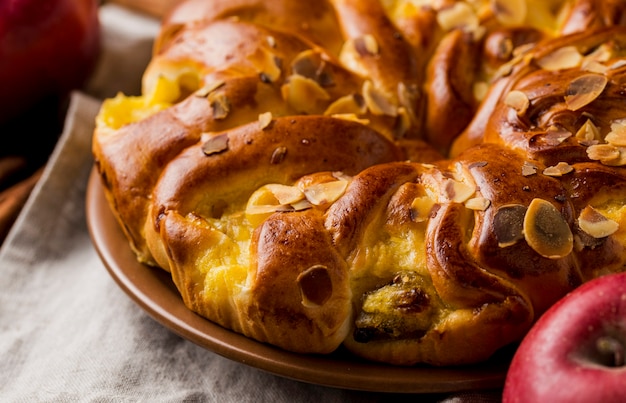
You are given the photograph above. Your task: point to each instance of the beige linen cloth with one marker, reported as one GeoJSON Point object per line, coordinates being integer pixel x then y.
{"type": "Point", "coordinates": [68, 333]}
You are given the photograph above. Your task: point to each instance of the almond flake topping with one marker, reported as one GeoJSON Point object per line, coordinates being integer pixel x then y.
{"type": "Point", "coordinates": [457, 191]}
{"type": "Point", "coordinates": [265, 119]}
{"type": "Point", "coordinates": [617, 135]}
{"type": "Point", "coordinates": [517, 100]}
{"type": "Point", "coordinates": [215, 144]}
{"type": "Point", "coordinates": [348, 104]}
{"type": "Point", "coordinates": [377, 101]}
{"type": "Point", "coordinates": [563, 58]}
{"type": "Point", "coordinates": [546, 231]}
{"type": "Point", "coordinates": [209, 88]}
{"type": "Point", "coordinates": [595, 224]}
{"type": "Point", "coordinates": [588, 132]}
{"type": "Point", "coordinates": [326, 192]}
{"type": "Point", "coordinates": [421, 208]}
{"type": "Point", "coordinates": [529, 169]}
{"type": "Point", "coordinates": [508, 224]}
{"type": "Point", "coordinates": [584, 90]}
{"type": "Point", "coordinates": [459, 16]}
{"type": "Point", "coordinates": [559, 169]}
{"type": "Point", "coordinates": [478, 203]}
{"type": "Point", "coordinates": [303, 94]}
{"type": "Point", "coordinates": [605, 153]}
{"type": "Point", "coordinates": [219, 104]}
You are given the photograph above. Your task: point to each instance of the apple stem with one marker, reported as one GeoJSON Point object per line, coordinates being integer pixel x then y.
{"type": "Point", "coordinates": [608, 345]}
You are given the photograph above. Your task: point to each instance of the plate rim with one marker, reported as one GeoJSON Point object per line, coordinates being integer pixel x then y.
{"type": "Point", "coordinates": [152, 289]}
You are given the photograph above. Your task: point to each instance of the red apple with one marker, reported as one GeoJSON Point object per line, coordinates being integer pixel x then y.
{"type": "Point", "coordinates": [47, 48]}
{"type": "Point", "coordinates": [575, 351]}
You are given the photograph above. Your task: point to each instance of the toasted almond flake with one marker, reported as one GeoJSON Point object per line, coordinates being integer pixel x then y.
{"type": "Point", "coordinates": [595, 224]}
{"type": "Point", "coordinates": [517, 100]}
{"type": "Point", "coordinates": [341, 176]}
{"type": "Point", "coordinates": [350, 59]}
{"type": "Point", "coordinates": [219, 104]}
{"type": "Point", "coordinates": [420, 209]}
{"type": "Point", "coordinates": [618, 64]}
{"type": "Point", "coordinates": [555, 136]}
{"type": "Point", "coordinates": [351, 117]}
{"type": "Point", "coordinates": [278, 155]}
{"type": "Point", "coordinates": [509, 12]}
{"type": "Point", "coordinates": [460, 15]}
{"type": "Point", "coordinates": [617, 135]}
{"type": "Point", "coordinates": [316, 286]}
{"type": "Point", "coordinates": [563, 58]}
{"type": "Point", "coordinates": [209, 88]}
{"type": "Point", "coordinates": [377, 101]}
{"type": "Point", "coordinates": [508, 223]}
{"type": "Point", "coordinates": [529, 169]}
{"type": "Point", "coordinates": [366, 45]}
{"type": "Point", "coordinates": [588, 132]}
{"type": "Point", "coordinates": [403, 123]}
{"type": "Point", "coordinates": [215, 144]}
{"type": "Point", "coordinates": [604, 153]}
{"type": "Point", "coordinates": [285, 194]}
{"type": "Point", "coordinates": [310, 64]}
{"type": "Point", "coordinates": [584, 90]}
{"type": "Point", "coordinates": [271, 41]}
{"type": "Point", "coordinates": [478, 203]}
{"type": "Point", "coordinates": [559, 169]}
{"type": "Point", "coordinates": [267, 64]}
{"type": "Point", "coordinates": [546, 231]}
{"type": "Point", "coordinates": [458, 192]}
{"type": "Point", "coordinates": [348, 104]}
{"type": "Point", "coordinates": [326, 192]}
{"type": "Point", "coordinates": [303, 94]}
{"type": "Point", "coordinates": [593, 66]}
{"type": "Point", "coordinates": [301, 205]}
{"type": "Point", "coordinates": [480, 90]}
{"type": "Point", "coordinates": [601, 54]}
{"type": "Point", "coordinates": [265, 119]}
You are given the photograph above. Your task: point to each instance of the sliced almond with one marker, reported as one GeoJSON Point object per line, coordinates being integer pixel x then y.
{"type": "Point", "coordinates": [459, 16]}
{"type": "Point", "coordinates": [326, 192]}
{"type": "Point", "coordinates": [595, 224]}
{"type": "Point", "coordinates": [588, 132]}
{"type": "Point", "coordinates": [559, 169]}
{"type": "Point", "coordinates": [508, 224]}
{"type": "Point", "coordinates": [617, 135]}
{"type": "Point", "coordinates": [209, 88]}
{"type": "Point", "coordinates": [517, 100]}
{"type": "Point", "coordinates": [265, 119]}
{"type": "Point", "coordinates": [348, 104]}
{"type": "Point", "coordinates": [215, 144]}
{"type": "Point", "coordinates": [420, 209]}
{"type": "Point", "coordinates": [605, 153]}
{"type": "Point", "coordinates": [563, 58]}
{"type": "Point", "coordinates": [529, 169]}
{"type": "Point", "coordinates": [478, 203]}
{"type": "Point", "coordinates": [303, 94]}
{"type": "Point", "coordinates": [457, 191]}
{"type": "Point", "coordinates": [584, 90]}
{"type": "Point", "coordinates": [555, 136]}
{"type": "Point", "coordinates": [267, 64]}
{"type": "Point", "coordinates": [285, 194]}
{"type": "Point", "coordinates": [546, 231]}
{"type": "Point", "coordinates": [377, 101]}
{"type": "Point", "coordinates": [219, 104]}
{"type": "Point", "coordinates": [366, 45]}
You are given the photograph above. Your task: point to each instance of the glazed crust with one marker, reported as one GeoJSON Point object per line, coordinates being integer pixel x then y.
{"type": "Point", "coordinates": [317, 177]}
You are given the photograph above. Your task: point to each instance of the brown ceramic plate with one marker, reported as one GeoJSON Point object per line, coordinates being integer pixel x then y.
{"type": "Point", "coordinates": [155, 292]}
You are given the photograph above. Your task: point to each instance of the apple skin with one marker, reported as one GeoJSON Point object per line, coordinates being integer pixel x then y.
{"type": "Point", "coordinates": [558, 360]}
{"type": "Point", "coordinates": [47, 49]}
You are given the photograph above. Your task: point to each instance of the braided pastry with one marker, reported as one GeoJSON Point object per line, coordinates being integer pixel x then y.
{"type": "Point", "coordinates": [414, 180]}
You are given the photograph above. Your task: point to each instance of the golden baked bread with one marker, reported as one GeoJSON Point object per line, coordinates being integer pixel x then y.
{"type": "Point", "coordinates": [414, 180]}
